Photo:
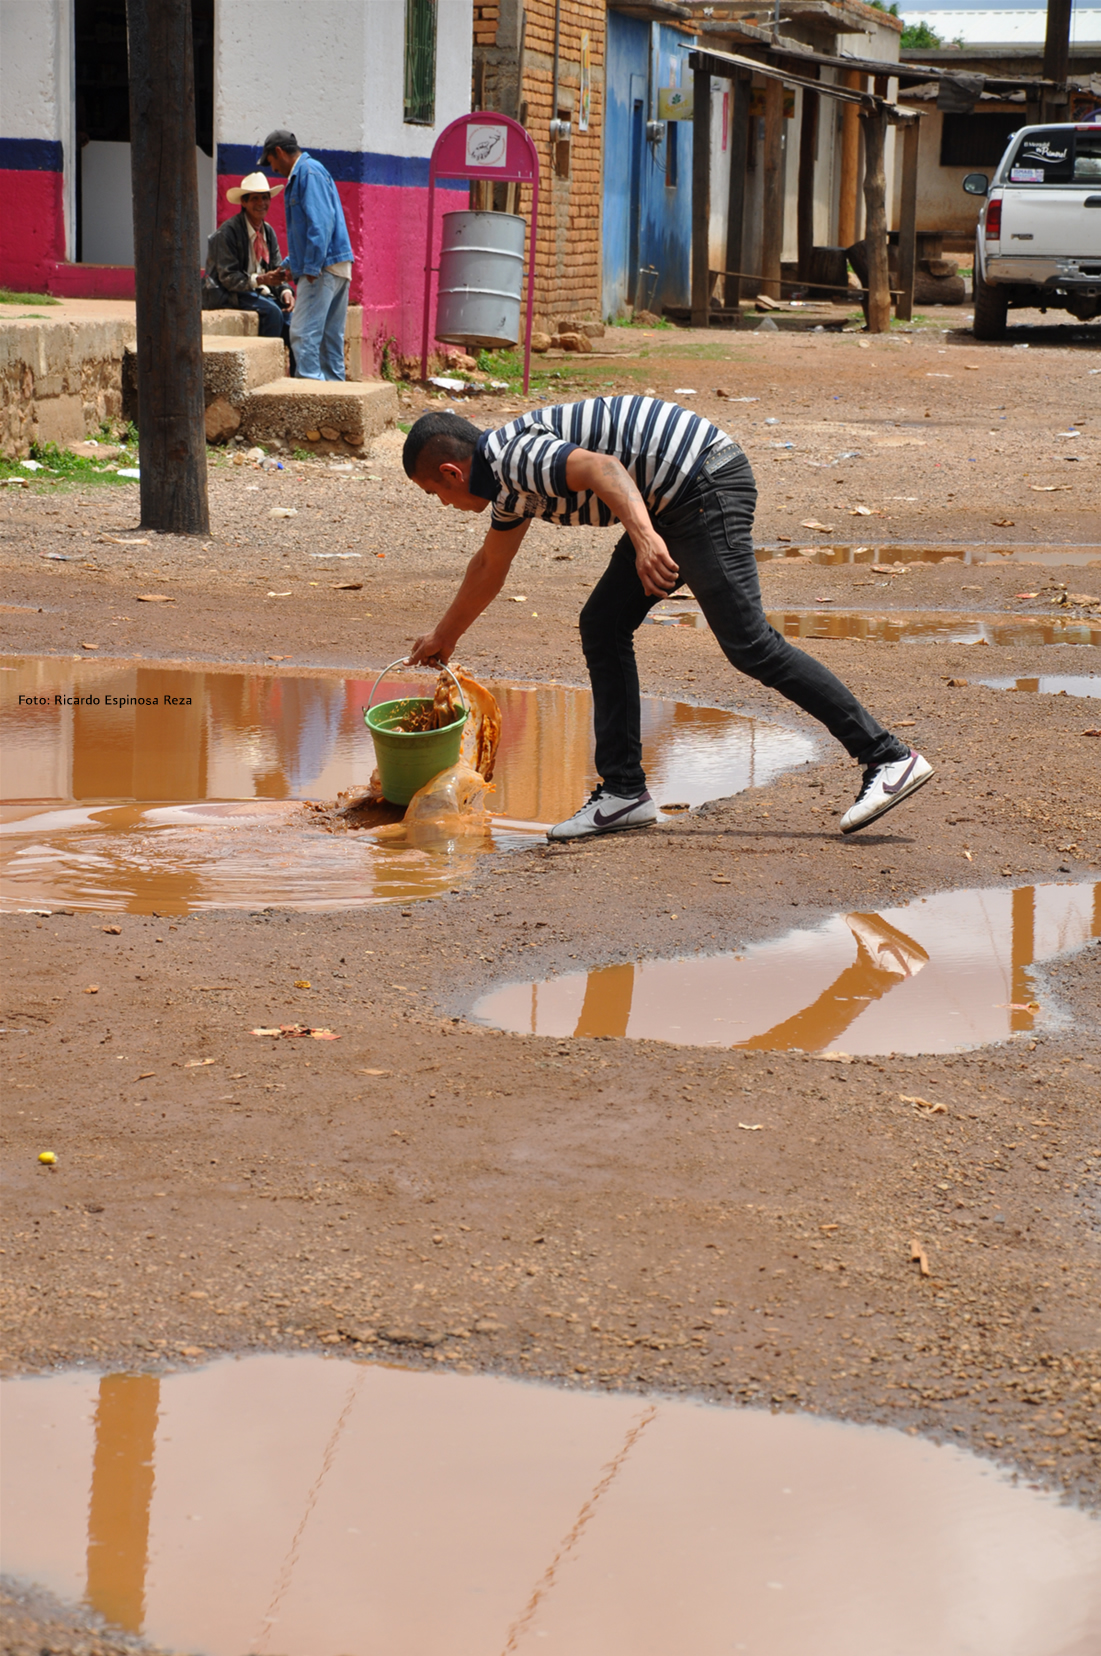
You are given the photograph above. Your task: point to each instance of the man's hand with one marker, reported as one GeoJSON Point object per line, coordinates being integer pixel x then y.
{"type": "Point", "coordinates": [433, 648]}
{"type": "Point", "coordinates": [613, 484]}
{"type": "Point", "coordinates": [656, 569]}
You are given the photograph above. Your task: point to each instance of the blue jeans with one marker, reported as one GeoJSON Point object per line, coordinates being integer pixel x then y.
{"type": "Point", "coordinates": [317, 326]}
{"type": "Point", "coordinates": [709, 533]}
{"type": "Point", "coordinates": [273, 318]}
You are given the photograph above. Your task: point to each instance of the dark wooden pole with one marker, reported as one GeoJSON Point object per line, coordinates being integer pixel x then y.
{"type": "Point", "coordinates": [701, 198]}
{"type": "Point", "coordinates": [1056, 58]}
{"type": "Point", "coordinates": [735, 211]}
{"type": "Point", "coordinates": [772, 210]}
{"type": "Point", "coordinates": [874, 124]}
{"type": "Point", "coordinates": [171, 433]}
{"type": "Point", "coordinates": [808, 146]}
{"type": "Point", "coordinates": [907, 221]}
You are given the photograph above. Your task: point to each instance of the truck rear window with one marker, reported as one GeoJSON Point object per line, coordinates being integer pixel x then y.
{"type": "Point", "coordinates": [1056, 156]}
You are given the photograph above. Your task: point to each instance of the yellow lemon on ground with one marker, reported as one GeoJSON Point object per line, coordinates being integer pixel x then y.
{"type": "Point", "coordinates": [47, 1158]}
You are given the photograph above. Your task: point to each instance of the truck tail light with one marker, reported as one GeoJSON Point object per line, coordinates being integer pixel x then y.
{"type": "Point", "coordinates": [993, 226]}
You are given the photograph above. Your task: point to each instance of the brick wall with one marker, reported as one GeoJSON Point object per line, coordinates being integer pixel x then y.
{"type": "Point", "coordinates": [568, 249]}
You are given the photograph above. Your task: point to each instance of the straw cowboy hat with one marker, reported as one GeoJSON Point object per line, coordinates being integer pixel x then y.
{"type": "Point", "coordinates": [255, 184]}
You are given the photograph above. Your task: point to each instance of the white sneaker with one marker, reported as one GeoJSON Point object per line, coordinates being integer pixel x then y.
{"type": "Point", "coordinates": [890, 949]}
{"type": "Point", "coordinates": [606, 813]}
{"type": "Point", "coordinates": [884, 787]}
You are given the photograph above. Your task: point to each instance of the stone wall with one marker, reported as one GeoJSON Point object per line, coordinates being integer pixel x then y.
{"type": "Point", "coordinates": [58, 380]}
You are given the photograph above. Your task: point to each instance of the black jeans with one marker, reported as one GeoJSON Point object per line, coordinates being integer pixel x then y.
{"type": "Point", "coordinates": [708, 531]}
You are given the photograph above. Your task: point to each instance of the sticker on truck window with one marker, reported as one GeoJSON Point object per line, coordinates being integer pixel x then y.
{"type": "Point", "coordinates": [1026, 175]}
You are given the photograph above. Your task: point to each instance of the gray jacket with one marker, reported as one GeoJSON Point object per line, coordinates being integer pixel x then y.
{"type": "Point", "coordinates": [227, 260]}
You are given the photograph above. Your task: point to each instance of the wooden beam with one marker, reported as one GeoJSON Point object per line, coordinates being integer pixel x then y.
{"type": "Point", "coordinates": [1057, 58]}
{"type": "Point", "coordinates": [808, 146]}
{"type": "Point", "coordinates": [907, 223]}
{"type": "Point", "coordinates": [772, 207]}
{"type": "Point", "coordinates": [171, 431]}
{"type": "Point", "coordinates": [875, 221]}
{"type": "Point", "coordinates": [735, 211]}
{"type": "Point", "coordinates": [701, 198]}
{"type": "Point", "coordinates": [850, 165]}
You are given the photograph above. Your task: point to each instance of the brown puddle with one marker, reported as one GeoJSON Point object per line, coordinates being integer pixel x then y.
{"type": "Point", "coordinates": [902, 628]}
{"type": "Point", "coordinates": [309, 1506]}
{"type": "Point", "coordinates": [937, 975]}
{"type": "Point", "coordinates": [1050, 684]}
{"type": "Point", "coordinates": [1048, 556]}
{"type": "Point", "coordinates": [195, 803]}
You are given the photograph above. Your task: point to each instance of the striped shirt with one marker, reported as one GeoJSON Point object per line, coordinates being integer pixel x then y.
{"type": "Point", "coordinates": [522, 466]}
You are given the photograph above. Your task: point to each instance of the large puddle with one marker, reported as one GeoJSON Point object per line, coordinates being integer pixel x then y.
{"type": "Point", "coordinates": [312, 1507]}
{"type": "Point", "coordinates": [1048, 556]}
{"type": "Point", "coordinates": [903, 627]}
{"type": "Point", "coordinates": [159, 789]}
{"type": "Point", "coordinates": [936, 975]}
{"type": "Point", "coordinates": [1050, 684]}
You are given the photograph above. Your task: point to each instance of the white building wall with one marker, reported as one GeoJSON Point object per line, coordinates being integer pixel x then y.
{"type": "Point", "coordinates": [36, 80]}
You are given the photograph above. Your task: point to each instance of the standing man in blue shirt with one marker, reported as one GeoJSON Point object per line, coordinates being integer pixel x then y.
{"type": "Point", "coordinates": [319, 254]}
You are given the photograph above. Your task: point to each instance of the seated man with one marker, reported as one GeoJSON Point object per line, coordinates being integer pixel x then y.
{"type": "Point", "coordinates": [684, 495]}
{"type": "Point", "coordinates": [244, 268]}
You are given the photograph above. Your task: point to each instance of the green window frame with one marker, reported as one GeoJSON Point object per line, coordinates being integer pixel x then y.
{"type": "Point", "coordinates": [420, 62]}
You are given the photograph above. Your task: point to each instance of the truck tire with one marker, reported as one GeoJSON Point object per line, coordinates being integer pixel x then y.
{"type": "Point", "coordinates": [991, 305]}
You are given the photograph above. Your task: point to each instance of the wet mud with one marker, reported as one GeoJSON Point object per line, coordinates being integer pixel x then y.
{"type": "Point", "coordinates": [314, 1499]}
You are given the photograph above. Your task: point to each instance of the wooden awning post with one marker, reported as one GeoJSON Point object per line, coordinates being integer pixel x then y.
{"type": "Point", "coordinates": [735, 214]}
{"type": "Point", "coordinates": [808, 145]}
{"type": "Point", "coordinates": [850, 163]}
{"type": "Point", "coordinates": [701, 198]}
{"type": "Point", "coordinates": [907, 223]}
{"type": "Point", "coordinates": [875, 219]}
{"type": "Point", "coordinates": [772, 214]}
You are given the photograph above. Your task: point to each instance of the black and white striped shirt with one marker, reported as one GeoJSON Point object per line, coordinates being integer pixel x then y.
{"type": "Point", "coordinates": [522, 466]}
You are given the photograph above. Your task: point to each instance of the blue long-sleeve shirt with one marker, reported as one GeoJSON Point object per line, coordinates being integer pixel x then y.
{"type": "Point", "coordinates": [316, 232]}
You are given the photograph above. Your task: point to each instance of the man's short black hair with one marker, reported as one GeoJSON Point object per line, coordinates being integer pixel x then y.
{"type": "Point", "coordinates": [436, 438]}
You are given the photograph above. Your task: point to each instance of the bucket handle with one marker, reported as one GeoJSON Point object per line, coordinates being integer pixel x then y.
{"type": "Point", "coordinates": [402, 661]}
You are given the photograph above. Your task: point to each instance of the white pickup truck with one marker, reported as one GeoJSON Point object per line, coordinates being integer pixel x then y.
{"type": "Point", "coordinates": [1039, 233]}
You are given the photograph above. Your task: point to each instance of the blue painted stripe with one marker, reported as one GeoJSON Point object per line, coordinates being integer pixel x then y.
{"type": "Point", "coordinates": [31, 155]}
{"type": "Point", "coordinates": [346, 166]}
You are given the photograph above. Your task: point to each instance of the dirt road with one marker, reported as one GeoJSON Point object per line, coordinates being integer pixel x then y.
{"type": "Point", "coordinates": [744, 1225]}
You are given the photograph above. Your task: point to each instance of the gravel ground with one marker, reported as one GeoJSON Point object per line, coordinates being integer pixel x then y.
{"type": "Point", "coordinates": [591, 1211]}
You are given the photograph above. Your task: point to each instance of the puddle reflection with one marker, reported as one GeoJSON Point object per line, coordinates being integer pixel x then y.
{"type": "Point", "coordinates": [905, 628]}
{"type": "Point", "coordinates": [311, 1506]}
{"type": "Point", "coordinates": [1046, 555]}
{"type": "Point", "coordinates": [937, 975]}
{"type": "Point", "coordinates": [104, 797]}
{"type": "Point", "coordinates": [1050, 684]}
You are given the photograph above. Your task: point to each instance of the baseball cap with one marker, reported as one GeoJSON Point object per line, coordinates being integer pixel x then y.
{"type": "Point", "coordinates": [279, 139]}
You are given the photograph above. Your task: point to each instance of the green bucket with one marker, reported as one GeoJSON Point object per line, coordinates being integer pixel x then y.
{"type": "Point", "coordinates": [407, 759]}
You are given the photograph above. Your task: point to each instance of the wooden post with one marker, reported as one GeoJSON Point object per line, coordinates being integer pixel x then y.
{"type": "Point", "coordinates": [772, 214]}
{"type": "Point", "coordinates": [1056, 59]}
{"type": "Point", "coordinates": [850, 162]}
{"type": "Point", "coordinates": [735, 212]}
{"type": "Point", "coordinates": [701, 198]}
{"type": "Point", "coordinates": [907, 222]}
{"type": "Point", "coordinates": [808, 145]}
{"type": "Point", "coordinates": [875, 220]}
{"type": "Point", "coordinates": [171, 431]}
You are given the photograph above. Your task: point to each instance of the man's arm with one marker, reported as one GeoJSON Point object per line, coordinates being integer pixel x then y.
{"type": "Point", "coordinates": [316, 204]}
{"type": "Point", "coordinates": [613, 484]}
{"type": "Point", "coordinates": [484, 578]}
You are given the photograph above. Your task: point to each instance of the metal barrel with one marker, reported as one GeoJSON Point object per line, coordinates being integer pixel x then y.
{"type": "Point", "coordinates": [481, 275]}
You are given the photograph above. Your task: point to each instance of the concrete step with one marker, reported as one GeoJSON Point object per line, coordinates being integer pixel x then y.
{"type": "Point", "coordinates": [232, 366]}
{"type": "Point", "coordinates": [321, 416]}
{"type": "Point", "coordinates": [237, 324]}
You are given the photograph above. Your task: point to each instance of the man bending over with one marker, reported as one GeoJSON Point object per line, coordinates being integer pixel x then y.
{"type": "Point", "coordinates": [684, 493]}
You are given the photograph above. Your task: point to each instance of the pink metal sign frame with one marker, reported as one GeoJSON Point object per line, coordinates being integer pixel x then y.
{"type": "Point", "coordinates": [483, 145]}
